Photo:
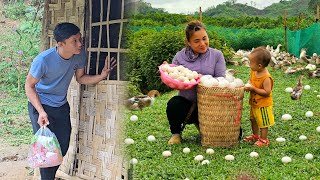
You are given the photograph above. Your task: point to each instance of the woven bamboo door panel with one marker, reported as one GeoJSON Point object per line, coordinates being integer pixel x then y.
{"type": "Point", "coordinates": [57, 11]}
{"type": "Point", "coordinates": [100, 130]}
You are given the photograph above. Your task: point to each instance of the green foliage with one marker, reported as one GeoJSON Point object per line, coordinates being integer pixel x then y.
{"type": "Point", "coordinates": [153, 121]}
{"type": "Point", "coordinates": [150, 47]}
{"type": "Point", "coordinates": [15, 10]}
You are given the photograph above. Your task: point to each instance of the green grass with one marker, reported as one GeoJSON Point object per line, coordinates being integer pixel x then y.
{"type": "Point", "coordinates": [153, 121]}
{"type": "Point", "coordinates": [15, 126]}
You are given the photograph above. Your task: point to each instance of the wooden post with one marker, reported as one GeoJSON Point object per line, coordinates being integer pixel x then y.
{"type": "Point", "coordinates": [285, 30]}
{"type": "Point", "coordinates": [299, 20]}
{"type": "Point", "coordinates": [200, 15]}
{"type": "Point", "coordinates": [317, 16]}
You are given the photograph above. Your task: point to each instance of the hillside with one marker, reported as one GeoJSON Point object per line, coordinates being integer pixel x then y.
{"type": "Point", "coordinates": [294, 8]}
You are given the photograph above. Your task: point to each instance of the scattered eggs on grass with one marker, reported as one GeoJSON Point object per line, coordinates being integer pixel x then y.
{"type": "Point", "coordinates": [198, 158]}
{"type": "Point", "coordinates": [309, 114]}
{"type": "Point", "coordinates": [229, 157]}
{"type": "Point", "coordinates": [286, 117]}
{"type": "Point", "coordinates": [289, 89]}
{"type": "Point", "coordinates": [166, 153]}
{"type": "Point", "coordinates": [186, 150]}
{"type": "Point", "coordinates": [129, 141]}
{"type": "Point", "coordinates": [286, 159]}
{"type": "Point", "coordinates": [302, 137]}
{"type": "Point", "coordinates": [254, 154]}
{"type": "Point", "coordinates": [307, 87]}
{"type": "Point", "coordinates": [134, 118]}
{"type": "Point", "coordinates": [318, 129]}
{"type": "Point", "coordinates": [151, 138]}
{"type": "Point", "coordinates": [309, 156]}
{"type": "Point", "coordinates": [133, 161]}
{"type": "Point", "coordinates": [210, 151]}
{"type": "Point", "coordinates": [280, 139]}
{"type": "Point", "coordinates": [205, 162]}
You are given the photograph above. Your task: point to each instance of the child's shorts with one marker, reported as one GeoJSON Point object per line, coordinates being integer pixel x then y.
{"type": "Point", "coordinates": [264, 116]}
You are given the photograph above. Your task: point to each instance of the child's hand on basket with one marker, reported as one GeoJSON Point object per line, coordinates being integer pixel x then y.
{"type": "Point", "coordinates": [248, 87]}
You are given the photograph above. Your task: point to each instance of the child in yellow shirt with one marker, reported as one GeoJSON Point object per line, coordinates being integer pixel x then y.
{"type": "Point", "coordinates": [261, 114]}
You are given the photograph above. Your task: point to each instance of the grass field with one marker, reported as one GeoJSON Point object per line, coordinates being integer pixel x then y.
{"type": "Point", "coordinates": [153, 121]}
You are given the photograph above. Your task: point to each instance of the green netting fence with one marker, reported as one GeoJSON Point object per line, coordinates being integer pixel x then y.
{"type": "Point", "coordinates": [308, 38]}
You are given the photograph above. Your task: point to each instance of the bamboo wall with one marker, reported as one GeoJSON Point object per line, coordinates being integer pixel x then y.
{"type": "Point", "coordinates": [94, 151]}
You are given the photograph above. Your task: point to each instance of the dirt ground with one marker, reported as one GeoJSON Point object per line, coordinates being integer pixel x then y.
{"type": "Point", "coordinates": [13, 164]}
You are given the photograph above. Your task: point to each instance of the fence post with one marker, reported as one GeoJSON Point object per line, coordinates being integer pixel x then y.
{"type": "Point", "coordinates": [285, 30]}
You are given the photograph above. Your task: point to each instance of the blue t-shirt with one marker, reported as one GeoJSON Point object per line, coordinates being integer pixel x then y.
{"type": "Point", "coordinates": [54, 74]}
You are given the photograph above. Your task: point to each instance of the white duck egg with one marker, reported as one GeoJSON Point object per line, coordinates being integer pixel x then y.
{"type": "Point", "coordinates": [186, 150]}
{"type": "Point", "coordinates": [239, 82]}
{"type": "Point", "coordinates": [198, 158]}
{"type": "Point", "coordinates": [232, 85]}
{"type": "Point", "coordinates": [222, 84]}
{"type": "Point", "coordinates": [190, 76]}
{"type": "Point", "coordinates": [309, 114]}
{"type": "Point", "coordinates": [170, 69]}
{"type": "Point", "coordinates": [208, 82]}
{"type": "Point", "coordinates": [247, 85]}
{"type": "Point", "coordinates": [220, 78]}
{"type": "Point", "coordinates": [180, 68]}
{"type": "Point", "coordinates": [151, 138]}
{"type": "Point", "coordinates": [210, 151]}
{"type": "Point", "coordinates": [318, 129]}
{"type": "Point", "coordinates": [289, 89]}
{"type": "Point", "coordinates": [230, 78]}
{"type": "Point", "coordinates": [280, 139]}
{"type": "Point", "coordinates": [195, 74]}
{"type": "Point", "coordinates": [307, 87]}
{"type": "Point", "coordinates": [166, 153]}
{"type": "Point", "coordinates": [181, 79]}
{"type": "Point", "coordinates": [286, 159]}
{"type": "Point", "coordinates": [254, 154]}
{"type": "Point", "coordinates": [173, 75]}
{"type": "Point", "coordinates": [166, 73]}
{"type": "Point", "coordinates": [205, 77]}
{"type": "Point", "coordinates": [302, 137]}
{"type": "Point", "coordinates": [193, 81]}
{"type": "Point", "coordinates": [134, 161]}
{"type": "Point", "coordinates": [318, 96]}
{"type": "Point", "coordinates": [309, 156]}
{"type": "Point", "coordinates": [165, 67]}
{"type": "Point", "coordinates": [229, 157]}
{"type": "Point", "coordinates": [204, 162]}
{"type": "Point", "coordinates": [129, 141]}
{"type": "Point", "coordinates": [134, 118]}
{"type": "Point", "coordinates": [286, 117]}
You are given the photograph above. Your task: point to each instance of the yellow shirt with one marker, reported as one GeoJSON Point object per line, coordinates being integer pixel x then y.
{"type": "Point", "coordinates": [255, 99]}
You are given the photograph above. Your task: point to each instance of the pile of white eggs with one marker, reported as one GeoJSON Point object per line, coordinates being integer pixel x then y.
{"type": "Point", "coordinates": [180, 73]}
{"type": "Point", "coordinates": [221, 82]}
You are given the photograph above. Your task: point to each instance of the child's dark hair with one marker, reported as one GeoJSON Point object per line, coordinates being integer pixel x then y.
{"type": "Point", "coordinates": [64, 30]}
{"type": "Point", "coordinates": [262, 55]}
{"type": "Point", "coordinates": [192, 27]}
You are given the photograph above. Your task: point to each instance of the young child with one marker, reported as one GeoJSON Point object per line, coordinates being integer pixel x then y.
{"type": "Point", "coordinates": [261, 115]}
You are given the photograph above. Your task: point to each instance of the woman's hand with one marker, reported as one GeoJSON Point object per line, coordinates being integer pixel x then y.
{"type": "Point", "coordinates": [43, 119]}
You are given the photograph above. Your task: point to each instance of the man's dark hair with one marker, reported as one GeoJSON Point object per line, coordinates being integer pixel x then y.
{"type": "Point", "coordinates": [64, 30]}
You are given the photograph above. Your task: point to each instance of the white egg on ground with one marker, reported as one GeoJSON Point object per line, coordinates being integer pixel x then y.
{"type": "Point", "coordinates": [151, 138]}
{"type": "Point", "coordinates": [129, 141]}
{"type": "Point", "coordinates": [307, 87]}
{"type": "Point", "coordinates": [198, 158]}
{"type": "Point", "coordinates": [286, 117]}
{"type": "Point", "coordinates": [134, 118]}
{"type": "Point", "coordinates": [309, 114]}
{"type": "Point", "coordinates": [166, 153]}
{"type": "Point", "coordinates": [229, 157]}
{"type": "Point", "coordinates": [210, 151]}
{"type": "Point", "coordinates": [186, 150]}
{"type": "Point", "coordinates": [289, 90]}
{"type": "Point", "coordinates": [318, 96]}
{"type": "Point", "coordinates": [186, 179]}
{"type": "Point", "coordinates": [318, 129]}
{"type": "Point", "coordinates": [254, 154]}
{"type": "Point", "coordinates": [315, 91]}
{"type": "Point", "coordinates": [302, 137]}
{"type": "Point", "coordinates": [205, 162]}
{"type": "Point", "coordinates": [133, 161]}
{"type": "Point", "coordinates": [308, 156]}
{"type": "Point", "coordinates": [280, 139]}
{"type": "Point", "coordinates": [286, 159]}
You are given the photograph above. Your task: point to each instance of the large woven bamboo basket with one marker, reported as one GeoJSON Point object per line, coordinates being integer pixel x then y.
{"type": "Point", "coordinates": [219, 115]}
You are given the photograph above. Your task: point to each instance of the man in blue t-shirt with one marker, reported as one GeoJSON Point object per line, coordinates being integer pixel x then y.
{"type": "Point", "coordinates": [48, 81]}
